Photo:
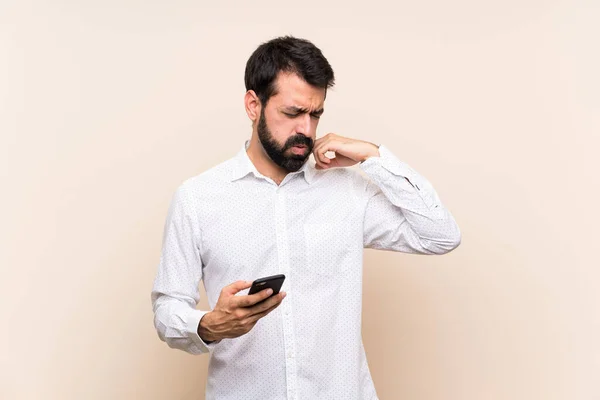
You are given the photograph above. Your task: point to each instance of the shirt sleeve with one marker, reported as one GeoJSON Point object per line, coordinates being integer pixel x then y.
{"type": "Point", "coordinates": [403, 211]}
{"type": "Point", "coordinates": [175, 293]}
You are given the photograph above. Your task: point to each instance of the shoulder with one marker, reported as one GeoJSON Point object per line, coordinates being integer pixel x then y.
{"type": "Point", "coordinates": [211, 181]}
{"type": "Point", "coordinates": [219, 174]}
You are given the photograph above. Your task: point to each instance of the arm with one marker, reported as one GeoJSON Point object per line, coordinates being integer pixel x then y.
{"type": "Point", "coordinates": [175, 293]}
{"type": "Point", "coordinates": [404, 212]}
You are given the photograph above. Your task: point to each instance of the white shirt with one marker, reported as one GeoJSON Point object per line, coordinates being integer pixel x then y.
{"type": "Point", "coordinates": [232, 223]}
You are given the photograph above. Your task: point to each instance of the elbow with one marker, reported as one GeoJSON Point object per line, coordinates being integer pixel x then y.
{"type": "Point", "coordinates": [451, 241]}
{"type": "Point", "coordinates": [446, 243]}
{"type": "Point", "coordinates": [161, 331]}
{"type": "Point", "coordinates": [455, 241]}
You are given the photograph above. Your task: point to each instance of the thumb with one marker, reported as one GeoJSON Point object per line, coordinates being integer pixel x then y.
{"type": "Point", "coordinates": [237, 287]}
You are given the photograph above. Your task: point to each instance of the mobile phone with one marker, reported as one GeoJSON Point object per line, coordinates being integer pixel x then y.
{"type": "Point", "coordinates": [269, 282]}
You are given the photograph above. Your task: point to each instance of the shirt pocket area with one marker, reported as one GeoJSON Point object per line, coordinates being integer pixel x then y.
{"type": "Point", "coordinates": [332, 248]}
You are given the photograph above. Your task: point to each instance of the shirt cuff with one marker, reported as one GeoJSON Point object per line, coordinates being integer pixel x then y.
{"type": "Point", "coordinates": [192, 323]}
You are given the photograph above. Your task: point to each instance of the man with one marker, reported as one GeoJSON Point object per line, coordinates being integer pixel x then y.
{"type": "Point", "coordinates": [268, 211]}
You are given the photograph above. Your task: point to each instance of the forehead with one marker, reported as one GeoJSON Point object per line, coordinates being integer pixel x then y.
{"type": "Point", "coordinates": [291, 90]}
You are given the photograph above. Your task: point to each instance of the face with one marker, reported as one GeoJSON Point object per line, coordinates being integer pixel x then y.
{"type": "Point", "coordinates": [287, 126]}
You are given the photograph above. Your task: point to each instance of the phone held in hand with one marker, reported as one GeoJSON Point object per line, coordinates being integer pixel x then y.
{"type": "Point", "coordinates": [269, 282]}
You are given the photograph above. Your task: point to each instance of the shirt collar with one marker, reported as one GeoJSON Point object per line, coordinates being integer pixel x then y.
{"type": "Point", "coordinates": [243, 166]}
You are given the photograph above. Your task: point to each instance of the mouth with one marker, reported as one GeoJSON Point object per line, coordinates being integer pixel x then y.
{"type": "Point", "coordinates": [299, 149]}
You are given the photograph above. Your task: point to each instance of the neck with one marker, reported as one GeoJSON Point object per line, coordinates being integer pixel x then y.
{"type": "Point", "coordinates": [262, 162]}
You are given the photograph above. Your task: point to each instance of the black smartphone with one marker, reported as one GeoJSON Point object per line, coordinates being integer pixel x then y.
{"type": "Point", "coordinates": [269, 282]}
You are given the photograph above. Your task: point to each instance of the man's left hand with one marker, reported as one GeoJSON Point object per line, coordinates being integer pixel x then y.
{"type": "Point", "coordinates": [347, 151]}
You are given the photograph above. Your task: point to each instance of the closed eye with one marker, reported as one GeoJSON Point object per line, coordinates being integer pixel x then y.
{"type": "Point", "coordinates": [299, 111]}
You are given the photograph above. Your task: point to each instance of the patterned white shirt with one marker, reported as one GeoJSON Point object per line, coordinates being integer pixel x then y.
{"type": "Point", "coordinates": [232, 223]}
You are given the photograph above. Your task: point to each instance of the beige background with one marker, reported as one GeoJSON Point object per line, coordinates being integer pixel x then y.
{"type": "Point", "coordinates": [107, 106]}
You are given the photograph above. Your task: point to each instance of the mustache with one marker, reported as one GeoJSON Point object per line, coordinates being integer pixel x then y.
{"type": "Point", "coordinates": [297, 141]}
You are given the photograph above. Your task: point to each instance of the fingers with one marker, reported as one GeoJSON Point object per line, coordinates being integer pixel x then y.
{"type": "Point", "coordinates": [271, 302]}
{"type": "Point", "coordinates": [322, 160]}
{"type": "Point", "coordinates": [252, 299]}
{"type": "Point", "coordinates": [330, 142]}
{"type": "Point", "coordinates": [319, 151]}
{"type": "Point", "coordinates": [238, 314]}
{"type": "Point", "coordinates": [347, 151]}
{"type": "Point", "coordinates": [255, 317]}
{"type": "Point", "coordinates": [251, 314]}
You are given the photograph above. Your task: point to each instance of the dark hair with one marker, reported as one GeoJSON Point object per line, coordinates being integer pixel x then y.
{"type": "Point", "coordinates": [287, 54]}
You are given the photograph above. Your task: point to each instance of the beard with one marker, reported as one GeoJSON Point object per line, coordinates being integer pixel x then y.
{"type": "Point", "coordinates": [292, 162]}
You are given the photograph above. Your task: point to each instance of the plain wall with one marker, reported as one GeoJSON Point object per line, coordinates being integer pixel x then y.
{"type": "Point", "coordinates": [107, 106]}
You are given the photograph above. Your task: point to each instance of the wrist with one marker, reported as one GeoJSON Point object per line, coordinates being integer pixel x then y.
{"type": "Point", "coordinates": [204, 329]}
{"type": "Point", "coordinates": [373, 152]}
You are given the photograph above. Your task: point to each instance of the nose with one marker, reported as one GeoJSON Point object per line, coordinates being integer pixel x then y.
{"type": "Point", "coordinates": [304, 123]}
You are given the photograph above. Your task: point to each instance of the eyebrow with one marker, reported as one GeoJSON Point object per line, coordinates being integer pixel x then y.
{"type": "Point", "coordinates": [302, 110]}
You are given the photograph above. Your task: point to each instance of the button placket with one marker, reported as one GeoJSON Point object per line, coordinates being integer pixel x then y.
{"type": "Point", "coordinates": [284, 258]}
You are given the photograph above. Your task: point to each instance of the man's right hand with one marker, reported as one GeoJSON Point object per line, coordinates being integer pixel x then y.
{"type": "Point", "coordinates": [235, 316]}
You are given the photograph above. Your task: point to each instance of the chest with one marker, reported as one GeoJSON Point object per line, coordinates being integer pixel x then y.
{"type": "Point", "coordinates": [251, 233]}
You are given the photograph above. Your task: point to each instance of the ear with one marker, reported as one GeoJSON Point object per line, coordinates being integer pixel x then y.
{"type": "Point", "coordinates": [252, 104]}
